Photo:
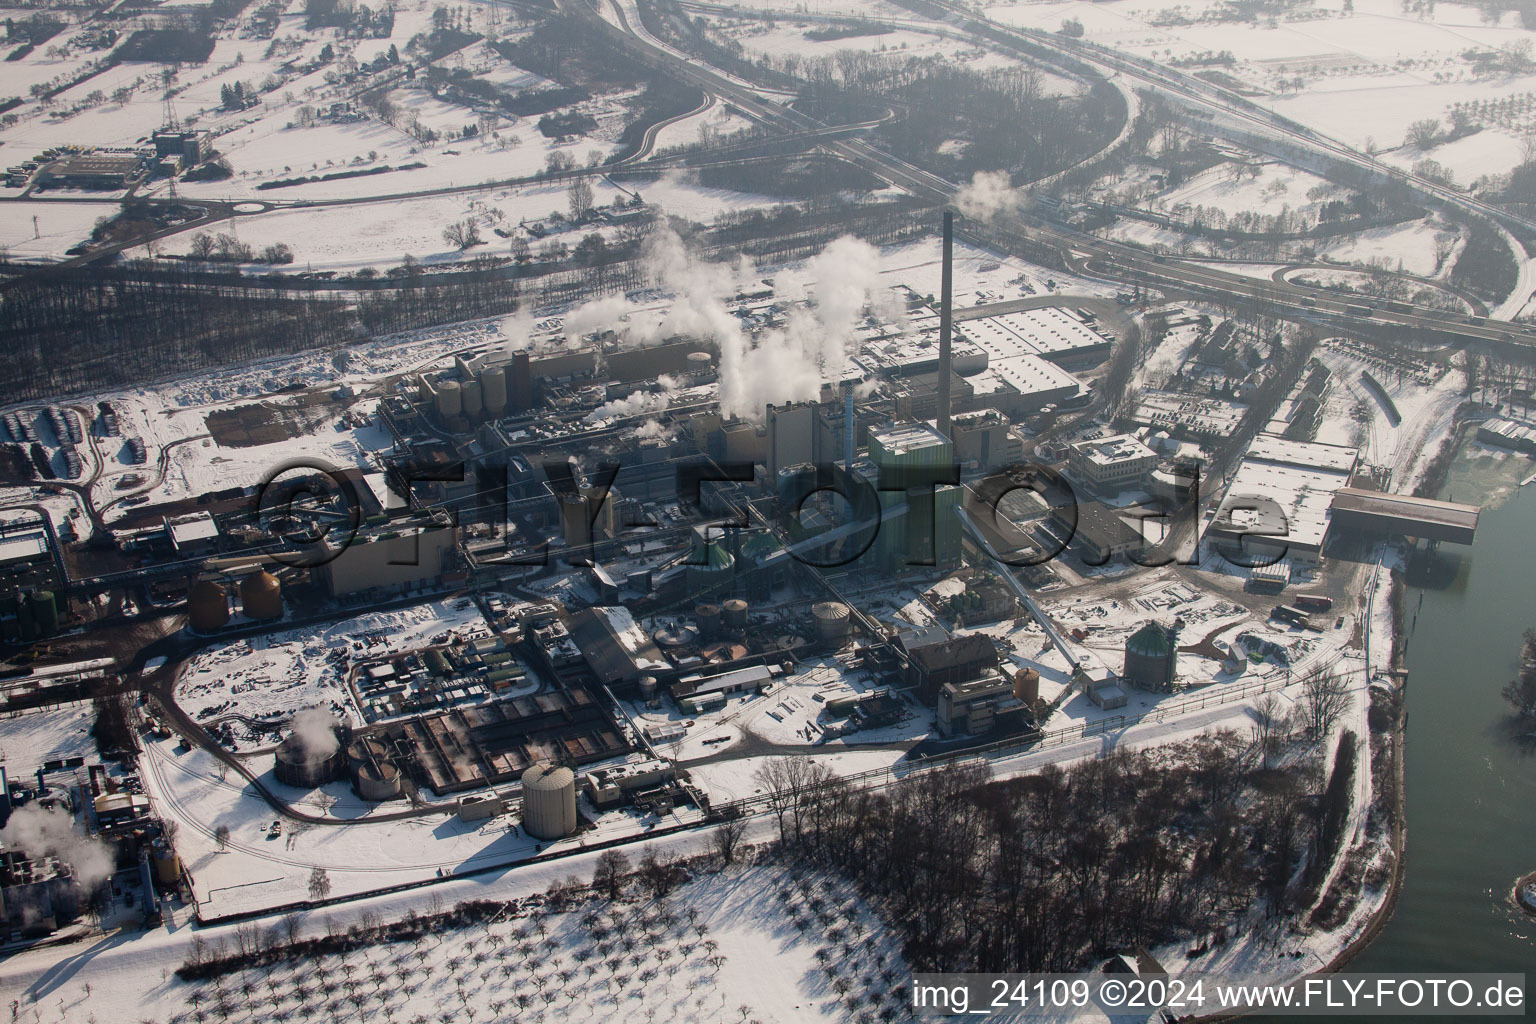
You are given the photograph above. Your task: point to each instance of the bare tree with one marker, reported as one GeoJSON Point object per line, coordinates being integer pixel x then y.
{"type": "Point", "coordinates": [1324, 699]}
{"type": "Point", "coordinates": [319, 884]}
{"type": "Point", "coordinates": [1270, 724]}
{"type": "Point", "coordinates": [462, 234]}
{"type": "Point", "coordinates": [580, 195]}
{"type": "Point", "coordinates": [221, 837]}
{"type": "Point", "coordinates": [789, 782]}
{"type": "Point", "coordinates": [608, 875]}
{"type": "Point", "coordinates": [727, 839]}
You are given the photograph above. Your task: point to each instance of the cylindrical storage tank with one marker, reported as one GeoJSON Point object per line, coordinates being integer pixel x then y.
{"type": "Point", "coordinates": [735, 611]}
{"type": "Point", "coordinates": [261, 596]}
{"type": "Point", "coordinates": [377, 782]}
{"type": "Point", "coordinates": [1026, 685]}
{"type": "Point", "coordinates": [207, 606]}
{"type": "Point", "coordinates": [708, 617]}
{"type": "Point", "coordinates": [167, 864]}
{"type": "Point", "coordinates": [450, 403]}
{"type": "Point", "coordinates": [474, 403]}
{"type": "Point", "coordinates": [647, 688]}
{"type": "Point", "coordinates": [1151, 659]}
{"type": "Point", "coordinates": [549, 801]}
{"type": "Point", "coordinates": [493, 387]}
{"type": "Point", "coordinates": [700, 360]}
{"type": "Point", "coordinates": [45, 611]}
{"type": "Point", "coordinates": [831, 619]}
{"type": "Point", "coordinates": [299, 765]}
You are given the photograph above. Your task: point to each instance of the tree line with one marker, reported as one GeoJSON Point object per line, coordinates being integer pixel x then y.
{"type": "Point", "coordinates": [1044, 872]}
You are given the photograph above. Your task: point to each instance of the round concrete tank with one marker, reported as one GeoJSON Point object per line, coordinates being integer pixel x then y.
{"type": "Point", "coordinates": [735, 613]}
{"type": "Point", "coordinates": [374, 776]}
{"type": "Point", "coordinates": [493, 386]}
{"type": "Point", "coordinates": [831, 619]}
{"type": "Point", "coordinates": [708, 617]}
{"type": "Point", "coordinates": [474, 401]}
{"type": "Point", "coordinates": [302, 766]}
{"type": "Point", "coordinates": [549, 801]}
{"type": "Point", "coordinates": [450, 402]}
{"type": "Point", "coordinates": [261, 596]}
{"type": "Point", "coordinates": [676, 636]}
{"type": "Point", "coordinates": [377, 782]}
{"type": "Point", "coordinates": [207, 606]}
{"type": "Point", "coordinates": [647, 688]}
{"type": "Point", "coordinates": [1026, 685]}
{"type": "Point", "coordinates": [700, 360]}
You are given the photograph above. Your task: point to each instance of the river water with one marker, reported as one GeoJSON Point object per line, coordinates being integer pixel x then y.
{"type": "Point", "coordinates": [1471, 783]}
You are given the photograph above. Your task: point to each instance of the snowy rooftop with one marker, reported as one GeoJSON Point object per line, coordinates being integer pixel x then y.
{"type": "Point", "coordinates": [1049, 331]}
{"type": "Point", "coordinates": [1108, 451]}
{"type": "Point", "coordinates": [906, 437]}
{"type": "Point", "coordinates": [1028, 374]}
{"type": "Point", "coordinates": [17, 546]}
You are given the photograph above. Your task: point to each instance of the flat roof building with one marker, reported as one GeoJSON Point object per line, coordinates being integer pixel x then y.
{"type": "Point", "coordinates": [1108, 465]}
{"type": "Point", "coordinates": [1279, 499]}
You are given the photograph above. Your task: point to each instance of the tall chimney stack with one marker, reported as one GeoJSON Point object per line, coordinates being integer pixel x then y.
{"type": "Point", "coordinates": [946, 322]}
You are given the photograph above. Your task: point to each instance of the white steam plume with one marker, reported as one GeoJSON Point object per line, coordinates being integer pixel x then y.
{"type": "Point", "coordinates": [602, 314]}
{"type": "Point", "coordinates": [314, 730]}
{"type": "Point", "coordinates": [989, 194]}
{"type": "Point", "coordinates": [635, 403]}
{"type": "Point", "coordinates": [783, 365]}
{"type": "Point", "coordinates": [43, 832]}
{"type": "Point", "coordinates": [517, 331]}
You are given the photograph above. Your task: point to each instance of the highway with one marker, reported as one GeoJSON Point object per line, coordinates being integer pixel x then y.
{"type": "Point", "coordinates": [1083, 253]}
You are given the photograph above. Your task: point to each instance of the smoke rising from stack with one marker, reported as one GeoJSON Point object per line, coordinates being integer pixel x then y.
{"type": "Point", "coordinates": [314, 730]}
{"type": "Point", "coordinates": [517, 331]}
{"type": "Point", "coordinates": [989, 194]}
{"type": "Point", "coordinates": [42, 832]}
{"type": "Point", "coordinates": [636, 403]}
{"type": "Point", "coordinates": [788, 364]}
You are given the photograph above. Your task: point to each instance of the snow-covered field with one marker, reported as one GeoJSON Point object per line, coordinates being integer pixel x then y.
{"type": "Point", "coordinates": [695, 956]}
{"type": "Point", "coordinates": [1367, 68]}
{"type": "Point", "coordinates": [29, 738]}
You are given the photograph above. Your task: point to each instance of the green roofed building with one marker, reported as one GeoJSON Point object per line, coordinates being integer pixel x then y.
{"type": "Point", "coordinates": [1151, 658]}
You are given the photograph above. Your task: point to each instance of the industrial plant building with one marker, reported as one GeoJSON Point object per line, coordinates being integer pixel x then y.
{"type": "Point", "coordinates": [914, 539]}
{"type": "Point", "coordinates": [1109, 465]}
{"type": "Point", "coordinates": [389, 562]}
{"type": "Point", "coordinates": [1279, 499]}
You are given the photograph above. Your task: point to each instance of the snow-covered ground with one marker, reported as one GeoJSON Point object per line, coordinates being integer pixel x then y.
{"type": "Point", "coordinates": [696, 956]}
{"type": "Point", "coordinates": [276, 675]}
{"type": "Point", "coordinates": [1367, 68]}
{"type": "Point", "coordinates": [30, 738]}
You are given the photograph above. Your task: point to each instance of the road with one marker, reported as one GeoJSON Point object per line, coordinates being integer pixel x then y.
{"type": "Point", "coordinates": [1084, 254]}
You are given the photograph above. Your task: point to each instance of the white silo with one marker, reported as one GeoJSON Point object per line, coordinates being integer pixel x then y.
{"type": "Point", "coordinates": [450, 402]}
{"type": "Point", "coordinates": [549, 801]}
{"type": "Point", "coordinates": [493, 383]}
{"type": "Point", "coordinates": [474, 403]}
